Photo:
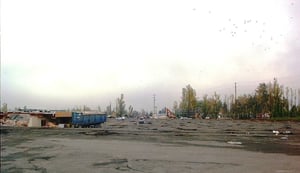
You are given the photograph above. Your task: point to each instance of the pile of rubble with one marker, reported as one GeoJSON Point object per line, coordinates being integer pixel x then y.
{"type": "Point", "coordinates": [19, 120]}
{"type": "Point", "coordinates": [24, 120]}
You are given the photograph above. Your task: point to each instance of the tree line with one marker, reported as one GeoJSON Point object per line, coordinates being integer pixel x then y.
{"type": "Point", "coordinates": [269, 99]}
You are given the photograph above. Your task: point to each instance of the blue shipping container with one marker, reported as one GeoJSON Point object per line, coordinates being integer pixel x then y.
{"type": "Point", "coordinates": [80, 119]}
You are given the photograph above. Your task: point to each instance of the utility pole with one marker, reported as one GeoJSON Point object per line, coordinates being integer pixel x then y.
{"type": "Point", "coordinates": [234, 92]}
{"type": "Point", "coordinates": [154, 111]}
{"type": "Point", "coordinates": [116, 107]}
{"type": "Point", "coordinates": [298, 97]}
{"type": "Point", "coordinates": [110, 111]}
{"type": "Point", "coordinates": [235, 100]}
{"type": "Point", "coordinates": [188, 111]}
{"type": "Point", "coordinates": [295, 98]}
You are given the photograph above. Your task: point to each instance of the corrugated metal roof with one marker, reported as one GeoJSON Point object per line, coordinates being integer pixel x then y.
{"type": "Point", "coordinates": [63, 114]}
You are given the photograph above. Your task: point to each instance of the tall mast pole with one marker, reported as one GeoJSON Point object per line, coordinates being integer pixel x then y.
{"type": "Point", "coordinates": [154, 111]}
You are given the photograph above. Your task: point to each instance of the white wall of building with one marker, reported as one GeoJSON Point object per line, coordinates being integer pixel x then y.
{"type": "Point", "coordinates": [34, 122]}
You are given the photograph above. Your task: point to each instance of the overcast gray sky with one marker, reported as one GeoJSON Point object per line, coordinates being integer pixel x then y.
{"type": "Point", "coordinates": [59, 54]}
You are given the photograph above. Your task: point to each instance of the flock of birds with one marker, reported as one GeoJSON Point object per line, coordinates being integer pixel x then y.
{"type": "Point", "coordinates": [266, 36]}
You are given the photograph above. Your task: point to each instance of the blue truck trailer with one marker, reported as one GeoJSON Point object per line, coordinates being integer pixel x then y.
{"type": "Point", "coordinates": [80, 119]}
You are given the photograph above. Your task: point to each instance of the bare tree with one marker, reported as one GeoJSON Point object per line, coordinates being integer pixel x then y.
{"type": "Point", "coordinates": [99, 109]}
{"type": "Point", "coordinates": [130, 111]}
{"type": "Point", "coordinates": [4, 108]}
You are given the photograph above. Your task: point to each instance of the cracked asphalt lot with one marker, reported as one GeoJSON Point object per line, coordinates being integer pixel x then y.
{"type": "Point", "coordinates": [160, 146]}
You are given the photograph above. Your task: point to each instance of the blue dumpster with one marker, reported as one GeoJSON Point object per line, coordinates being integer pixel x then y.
{"type": "Point", "coordinates": [80, 119]}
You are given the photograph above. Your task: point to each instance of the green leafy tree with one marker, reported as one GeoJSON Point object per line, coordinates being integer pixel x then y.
{"type": "Point", "coordinates": [224, 109]}
{"type": "Point", "coordinates": [293, 112]}
{"type": "Point", "coordinates": [121, 106]}
{"type": "Point", "coordinates": [205, 105]}
{"type": "Point", "coordinates": [262, 98]}
{"type": "Point", "coordinates": [244, 106]}
{"type": "Point", "coordinates": [216, 104]}
{"type": "Point", "coordinates": [188, 100]}
{"type": "Point", "coordinates": [276, 94]}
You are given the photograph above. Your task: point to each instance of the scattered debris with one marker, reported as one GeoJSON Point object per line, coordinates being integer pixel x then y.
{"type": "Point", "coordinates": [276, 132]}
{"type": "Point", "coordinates": [61, 126]}
{"type": "Point", "coordinates": [287, 132]}
{"type": "Point", "coordinates": [99, 133]}
{"type": "Point", "coordinates": [234, 143]}
{"type": "Point", "coordinates": [187, 129]}
{"type": "Point", "coordinates": [111, 162]}
{"type": "Point", "coordinates": [185, 118]}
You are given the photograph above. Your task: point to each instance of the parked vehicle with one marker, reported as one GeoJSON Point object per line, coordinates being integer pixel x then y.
{"type": "Point", "coordinates": [80, 119]}
{"type": "Point", "coordinates": [141, 120]}
{"type": "Point", "coordinates": [120, 118]}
